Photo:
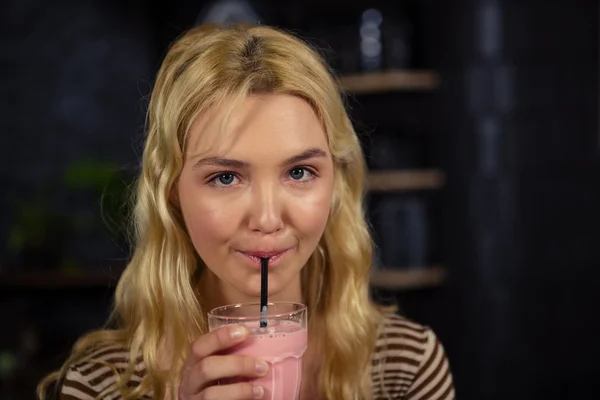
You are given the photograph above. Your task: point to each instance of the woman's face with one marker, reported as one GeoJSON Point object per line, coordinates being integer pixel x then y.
{"type": "Point", "coordinates": [260, 188]}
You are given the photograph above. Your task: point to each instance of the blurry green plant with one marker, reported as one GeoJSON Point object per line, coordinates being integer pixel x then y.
{"type": "Point", "coordinates": [88, 174]}
{"type": "Point", "coordinates": [39, 232]}
{"type": "Point", "coordinates": [8, 363]}
{"type": "Point", "coordinates": [110, 183]}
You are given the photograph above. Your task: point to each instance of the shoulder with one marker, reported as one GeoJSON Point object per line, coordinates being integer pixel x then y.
{"type": "Point", "coordinates": [98, 372]}
{"type": "Point", "coordinates": [409, 362]}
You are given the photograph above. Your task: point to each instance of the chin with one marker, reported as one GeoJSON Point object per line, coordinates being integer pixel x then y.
{"type": "Point", "coordinates": [252, 292]}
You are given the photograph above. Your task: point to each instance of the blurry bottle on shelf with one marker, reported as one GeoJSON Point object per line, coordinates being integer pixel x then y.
{"type": "Point", "coordinates": [385, 38]}
{"type": "Point", "coordinates": [400, 221]}
{"type": "Point", "coordinates": [355, 40]}
{"type": "Point", "coordinates": [371, 49]}
{"type": "Point", "coordinates": [391, 150]}
{"type": "Point", "coordinates": [397, 41]}
{"type": "Point", "coordinates": [402, 234]}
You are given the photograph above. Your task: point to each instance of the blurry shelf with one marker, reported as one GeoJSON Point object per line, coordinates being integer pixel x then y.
{"type": "Point", "coordinates": [52, 279]}
{"type": "Point", "coordinates": [394, 80]}
{"type": "Point", "coordinates": [408, 278]}
{"type": "Point", "coordinates": [382, 181]}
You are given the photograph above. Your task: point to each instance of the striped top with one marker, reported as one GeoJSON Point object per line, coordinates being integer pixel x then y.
{"type": "Point", "coordinates": [409, 363]}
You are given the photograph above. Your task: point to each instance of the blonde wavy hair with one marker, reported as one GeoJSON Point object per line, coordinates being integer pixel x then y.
{"type": "Point", "coordinates": [156, 299]}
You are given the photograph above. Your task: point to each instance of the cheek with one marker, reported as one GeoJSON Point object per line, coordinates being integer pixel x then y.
{"type": "Point", "coordinates": [204, 223]}
{"type": "Point", "coordinates": [310, 215]}
{"type": "Point", "coordinates": [208, 221]}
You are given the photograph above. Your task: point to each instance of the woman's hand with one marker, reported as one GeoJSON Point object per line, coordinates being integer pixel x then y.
{"type": "Point", "coordinates": [203, 368]}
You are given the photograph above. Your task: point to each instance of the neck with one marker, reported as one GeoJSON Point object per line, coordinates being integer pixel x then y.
{"type": "Point", "coordinates": [216, 293]}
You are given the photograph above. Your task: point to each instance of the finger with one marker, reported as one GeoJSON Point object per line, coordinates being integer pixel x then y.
{"type": "Point", "coordinates": [236, 391]}
{"type": "Point", "coordinates": [213, 342]}
{"type": "Point", "coordinates": [213, 368]}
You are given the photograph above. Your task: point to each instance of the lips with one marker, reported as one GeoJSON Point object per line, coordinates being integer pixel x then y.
{"type": "Point", "coordinates": [263, 254]}
{"type": "Point", "coordinates": [256, 255]}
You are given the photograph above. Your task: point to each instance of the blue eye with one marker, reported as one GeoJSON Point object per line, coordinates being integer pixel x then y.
{"type": "Point", "coordinates": [297, 173]}
{"type": "Point", "coordinates": [224, 179]}
{"type": "Point", "coordinates": [301, 174]}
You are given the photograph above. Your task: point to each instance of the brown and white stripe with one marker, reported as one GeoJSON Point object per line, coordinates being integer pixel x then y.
{"type": "Point", "coordinates": [87, 379]}
{"type": "Point", "coordinates": [409, 363]}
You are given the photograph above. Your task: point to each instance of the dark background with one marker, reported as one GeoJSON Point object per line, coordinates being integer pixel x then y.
{"type": "Point", "coordinates": [513, 124]}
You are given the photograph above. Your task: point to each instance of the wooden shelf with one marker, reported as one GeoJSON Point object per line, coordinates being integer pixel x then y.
{"type": "Point", "coordinates": [394, 80]}
{"type": "Point", "coordinates": [416, 278]}
{"type": "Point", "coordinates": [384, 181]}
{"type": "Point", "coordinates": [52, 279]}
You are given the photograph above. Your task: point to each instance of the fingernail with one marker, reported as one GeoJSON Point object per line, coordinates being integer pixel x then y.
{"type": "Point", "coordinates": [259, 392]}
{"type": "Point", "coordinates": [261, 367]}
{"type": "Point", "coordinates": [237, 333]}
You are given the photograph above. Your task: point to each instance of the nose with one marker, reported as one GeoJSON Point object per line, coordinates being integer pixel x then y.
{"type": "Point", "coordinates": [265, 211]}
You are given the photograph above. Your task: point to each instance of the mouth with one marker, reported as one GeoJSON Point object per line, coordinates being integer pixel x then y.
{"type": "Point", "coordinates": [273, 256]}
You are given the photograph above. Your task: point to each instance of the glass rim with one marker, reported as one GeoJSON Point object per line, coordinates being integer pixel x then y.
{"type": "Point", "coordinates": [211, 314]}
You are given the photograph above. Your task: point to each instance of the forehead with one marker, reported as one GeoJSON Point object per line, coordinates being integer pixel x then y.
{"type": "Point", "coordinates": [274, 125]}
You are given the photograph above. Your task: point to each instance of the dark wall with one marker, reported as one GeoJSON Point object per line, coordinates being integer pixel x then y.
{"type": "Point", "coordinates": [74, 90]}
{"type": "Point", "coordinates": [74, 79]}
{"type": "Point", "coordinates": [519, 102]}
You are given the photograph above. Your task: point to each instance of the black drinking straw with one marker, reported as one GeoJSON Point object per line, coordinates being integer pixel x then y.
{"type": "Point", "coordinates": [264, 290]}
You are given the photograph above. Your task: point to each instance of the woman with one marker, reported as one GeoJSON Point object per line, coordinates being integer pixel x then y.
{"type": "Point", "coordinates": [249, 154]}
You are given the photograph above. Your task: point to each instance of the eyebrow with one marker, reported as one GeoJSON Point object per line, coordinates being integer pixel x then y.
{"type": "Point", "coordinates": [230, 163]}
{"type": "Point", "coordinates": [305, 155]}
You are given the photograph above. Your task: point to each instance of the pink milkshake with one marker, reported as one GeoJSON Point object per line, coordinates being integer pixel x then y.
{"type": "Point", "coordinates": [281, 344]}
